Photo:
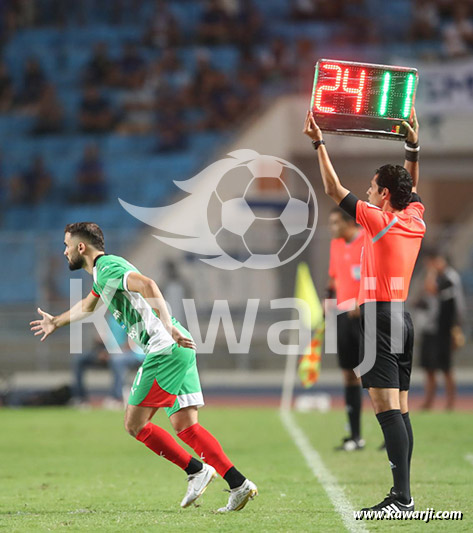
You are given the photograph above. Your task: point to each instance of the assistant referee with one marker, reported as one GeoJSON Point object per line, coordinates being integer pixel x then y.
{"type": "Point", "coordinates": [394, 228]}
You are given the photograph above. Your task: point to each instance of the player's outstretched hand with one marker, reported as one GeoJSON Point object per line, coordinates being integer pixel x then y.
{"type": "Point", "coordinates": [412, 128]}
{"type": "Point", "coordinates": [43, 327]}
{"type": "Point", "coordinates": [311, 129]}
{"type": "Point", "coordinates": [181, 340]}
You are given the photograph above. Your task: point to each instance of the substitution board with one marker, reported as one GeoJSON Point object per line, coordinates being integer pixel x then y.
{"type": "Point", "coordinates": [363, 99]}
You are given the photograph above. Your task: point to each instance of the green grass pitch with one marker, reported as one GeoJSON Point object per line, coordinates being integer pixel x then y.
{"type": "Point", "coordinates": [69, 470]}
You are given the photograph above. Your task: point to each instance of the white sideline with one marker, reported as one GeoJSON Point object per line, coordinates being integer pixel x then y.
{"type": "Point", "coordinates": [323, 474]}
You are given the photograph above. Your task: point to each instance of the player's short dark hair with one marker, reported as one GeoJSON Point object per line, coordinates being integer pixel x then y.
{"type": "Point", "coordinates": [399, 183]}
{"type": "Point", "coordinates": [345, 216]}
{"type": "Point", "coordinates": [89, 231]}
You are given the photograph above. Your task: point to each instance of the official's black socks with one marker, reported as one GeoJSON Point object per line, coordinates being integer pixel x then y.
{"type": "Point", "coordinates": [410, 435]}
{"type": "Point", "coordinates": [353, 406]}
{"type": "Point", "coordinates": [397, 447]}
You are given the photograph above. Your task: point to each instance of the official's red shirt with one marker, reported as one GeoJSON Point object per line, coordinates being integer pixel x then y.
{"type": "Point", "coordinates": [390, 249]}
{"type": "Point", "coordinates": [345, 263]}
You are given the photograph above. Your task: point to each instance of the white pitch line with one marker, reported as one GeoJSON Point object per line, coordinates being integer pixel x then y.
{"type": "Point", "coordinates": [469, 458]}
{"type": "Point", "coordinates": [323, 474]}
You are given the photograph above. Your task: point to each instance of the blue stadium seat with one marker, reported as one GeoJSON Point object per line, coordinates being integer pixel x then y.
{"type": "Point", "coordinates": [20, 269]}
{"type": "Point", "coordinates": [225, 58]}
{"type": "Point", "coordinates": [115, 145]}
{"type": "Point", "coordinates": [70, 99]}
{"type": "Point", "coordinates": [319, 32]}
{"type": "Point", "coordinates": [19, 217]}
{"type": "Point", "coordinates": [188, 14]}
{"type": "Point", "coordinates": [45, 218]}
{"type": "Point", "coordinates": [276, 9]}
{"type": "Point", "coordinates": [205, 141]}
{"type": "Point", "coordinates": [15, 125]}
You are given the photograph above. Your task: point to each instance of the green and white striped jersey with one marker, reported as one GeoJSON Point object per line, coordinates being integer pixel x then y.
{"type": "Point", "coordinates": [130, 309]}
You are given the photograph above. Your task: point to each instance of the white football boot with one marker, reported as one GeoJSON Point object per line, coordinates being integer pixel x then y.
{"type": "Point", "coordinates": [197, 483]}
{"type": "Point", "coordinates": [240, 496]}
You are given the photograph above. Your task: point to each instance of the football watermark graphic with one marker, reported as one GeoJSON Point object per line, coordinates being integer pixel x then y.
{"type": "Point", "coordinates": [226, 221]}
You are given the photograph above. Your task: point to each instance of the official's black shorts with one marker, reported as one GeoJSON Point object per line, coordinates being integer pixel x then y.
{"type": "Point", "coordinates": [348, 341]}
{"type": "Point", "coordinates": [436, 351]}
{"type": "Point", "coordinates": [390, 370]}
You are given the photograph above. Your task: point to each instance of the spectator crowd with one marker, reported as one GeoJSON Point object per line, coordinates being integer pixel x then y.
{"type": "Point", "coordinates": [147, 89]}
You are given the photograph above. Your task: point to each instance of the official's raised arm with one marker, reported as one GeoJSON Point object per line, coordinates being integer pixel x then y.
{"type": "Point", "coordinates": [411, 163]}
{"type": "Point", "coordinates": [332, 185]}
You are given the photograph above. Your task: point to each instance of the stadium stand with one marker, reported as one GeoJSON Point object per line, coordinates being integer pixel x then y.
{"type": "Point", "coordinates": [204, 72]}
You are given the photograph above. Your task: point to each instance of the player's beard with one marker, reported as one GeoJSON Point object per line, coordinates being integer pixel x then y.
{"type": "Point", "coordinates": [76, 263]}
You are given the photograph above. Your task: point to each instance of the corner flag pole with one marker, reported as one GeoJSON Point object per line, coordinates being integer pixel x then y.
{"type": "Point", "coordinates": [304, 290]}
{"type": "Point", "coordinates": [290, 373]}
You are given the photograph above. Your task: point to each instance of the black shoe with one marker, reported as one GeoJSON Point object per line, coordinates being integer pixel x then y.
{"type": "Point", "coordinates": [350, 445]}
{"type": "Point", "coordinates": [391, 504]}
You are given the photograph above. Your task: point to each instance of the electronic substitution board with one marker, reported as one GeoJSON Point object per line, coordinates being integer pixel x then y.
{"type": "Point", "coordinates": [363, 99]}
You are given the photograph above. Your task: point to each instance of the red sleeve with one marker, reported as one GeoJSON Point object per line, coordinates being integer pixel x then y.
{"type": "Point", "coordinates": [371, 218]}
{"type": "Point", "coordinates": [331, 269]}
{"type": "Point", "coordinates": [95, 294]}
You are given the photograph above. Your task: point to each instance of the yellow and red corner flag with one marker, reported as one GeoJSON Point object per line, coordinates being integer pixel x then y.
{"type": "Point", "coordinates": [309, 363]}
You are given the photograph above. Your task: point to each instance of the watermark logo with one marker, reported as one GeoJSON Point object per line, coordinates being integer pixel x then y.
{"type": "Point", "coordinates": [246, 210]}
{"type": "Point", "coordinates": [284, 337]}
{"type": "Point", "coordinates": [297, 334]}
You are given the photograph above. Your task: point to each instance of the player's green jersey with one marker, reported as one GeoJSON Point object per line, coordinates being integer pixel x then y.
{"type": "Point", "coordinates": [129, 309]}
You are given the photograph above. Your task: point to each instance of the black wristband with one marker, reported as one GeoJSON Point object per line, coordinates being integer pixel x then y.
{"type": "Point", "coordinates": [316, 144]}
{"type": "Point", "coordinates": [412, 157]}
{"type": "Point", "coordinates": [412, 145]}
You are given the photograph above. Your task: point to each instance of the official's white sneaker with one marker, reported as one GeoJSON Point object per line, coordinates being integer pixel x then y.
{"type": "Point", "coordinates": [240, 496]}
{"type": "Point", "coordinates": [197, 483]}
{"type": "Point", "coordinates": [350, 445]}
